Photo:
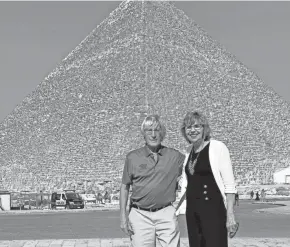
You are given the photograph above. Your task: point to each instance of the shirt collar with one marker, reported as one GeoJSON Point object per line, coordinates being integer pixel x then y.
{"type": "Point", "coordinates": [148, 152]}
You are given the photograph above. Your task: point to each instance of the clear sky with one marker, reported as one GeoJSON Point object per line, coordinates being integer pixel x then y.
{"type": "Point", "coordinates": [36, 36]}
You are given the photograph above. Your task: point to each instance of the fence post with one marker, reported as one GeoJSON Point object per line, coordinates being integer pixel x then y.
{"type": "Point", "coordinates": [1, 205]}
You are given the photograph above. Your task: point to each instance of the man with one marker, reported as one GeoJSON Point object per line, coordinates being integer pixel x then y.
{"type": "Point", "coordinates": [252, 195]}
{"type": "Point", "coordinates": [152, 171]}
{"type": "Point", "coordinates": [263, 195]}
{"type": "Point", "coordinates": [41, 199]}
{"type": "Point", "coordinates": [237, 199]}
{"type": "Point", "coordinates": [1, 208]}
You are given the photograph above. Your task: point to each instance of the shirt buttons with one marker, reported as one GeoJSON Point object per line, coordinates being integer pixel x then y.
{"type": "Point", "coordinates": [205, 192]}
{"type": "Point", "coordinates": [205, 186]}
{"type": "Point", "coordinates": [206, 198]}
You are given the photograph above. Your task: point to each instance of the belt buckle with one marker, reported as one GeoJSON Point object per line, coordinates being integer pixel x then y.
{"type": "Point", "coordinates": [156, 209]}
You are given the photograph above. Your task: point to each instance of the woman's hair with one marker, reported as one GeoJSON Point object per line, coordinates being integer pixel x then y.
{"type": "Point", "coordinates": [153, 121]}
{"type": "Point", "coordinates": [193, 117]}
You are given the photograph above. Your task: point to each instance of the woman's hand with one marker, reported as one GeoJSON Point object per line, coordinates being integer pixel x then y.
{"type": "Point", "coordinates": [232, 225]}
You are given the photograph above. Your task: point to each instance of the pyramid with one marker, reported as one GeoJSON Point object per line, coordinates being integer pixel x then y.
{"type": "Point", "coordinates": [76, 127]}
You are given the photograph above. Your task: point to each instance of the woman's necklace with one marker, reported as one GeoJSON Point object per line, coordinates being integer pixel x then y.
{"type": "Point", "coordinates": [192, 161]}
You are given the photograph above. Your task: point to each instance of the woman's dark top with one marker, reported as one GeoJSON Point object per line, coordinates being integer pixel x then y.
{"type": "Point", "coordinates": [201, 184]}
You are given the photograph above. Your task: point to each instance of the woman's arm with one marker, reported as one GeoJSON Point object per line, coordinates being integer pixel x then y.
{"type": "Point", "coordinates": [226, 171]}
{"type": "Point", "coordinates": [181, 201]}
{"type": "Point", "coordinates": [232, 225]}
{"type": "Point", "coordinates": [227, 174]}
{"type": "Point", "coordinates": [230, 202]}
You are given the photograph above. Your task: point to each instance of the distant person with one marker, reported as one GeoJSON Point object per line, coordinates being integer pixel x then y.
{"type": "Point", "coordinates": [41, 199]}
{"type": "Point", "coordinates": [252, 195]}
{"type": "Point", "coordinates": [210, 185]}
{"type": "Point", "coordinates": [263, 195]}
{"type": "Point", "coordinates": [237, 199]}
{"type": "Point", "coordinates": [152, 171]}
{"type": "Point", "coordinates": [107, 197]}
{"type": "Point", "coordinates": [257, 196]}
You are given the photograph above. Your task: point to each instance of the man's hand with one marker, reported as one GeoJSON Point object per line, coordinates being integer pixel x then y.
{"type": "Point", "coordinates": [126, 226]}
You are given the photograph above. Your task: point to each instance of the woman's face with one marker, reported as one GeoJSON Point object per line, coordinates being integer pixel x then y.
{"type": "Point", "coordinates": [194, 132]}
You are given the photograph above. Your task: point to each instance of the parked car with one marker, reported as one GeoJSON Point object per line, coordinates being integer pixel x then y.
{"type": "Point", "coordinates": [58, 199]}
{"type": "Point", "coordinates": [66, 199]}
{"type": "Point", "coordinates": [74, 200]}
{"type": "Point", "coordinates": [89, 198]}
{"type": "Point", "coordinates": [15, 201]}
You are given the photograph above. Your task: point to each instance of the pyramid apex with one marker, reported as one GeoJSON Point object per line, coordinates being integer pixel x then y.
{"type": "Point", "coordinates": [145, 57]}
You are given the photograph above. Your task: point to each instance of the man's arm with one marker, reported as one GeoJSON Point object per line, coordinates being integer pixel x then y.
{"type": "Point", "coordinates": [124, 194]}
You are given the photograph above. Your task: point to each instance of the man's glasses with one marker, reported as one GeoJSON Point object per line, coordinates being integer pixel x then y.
{"type": "Point", "coordinates": [150, 132]}
{"type": "Point", "coordinates": [195, 126]}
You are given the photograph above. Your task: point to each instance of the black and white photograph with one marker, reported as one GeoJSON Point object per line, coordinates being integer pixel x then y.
{"type": "Point", "coordinates": [144, 123]}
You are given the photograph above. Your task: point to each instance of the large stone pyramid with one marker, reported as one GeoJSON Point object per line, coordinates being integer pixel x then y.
{"type": "Point", "coordinates": [146, 57]}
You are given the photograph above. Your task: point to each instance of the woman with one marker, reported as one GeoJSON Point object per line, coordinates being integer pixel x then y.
{"type": "Point", "coordinates": [210, 185]}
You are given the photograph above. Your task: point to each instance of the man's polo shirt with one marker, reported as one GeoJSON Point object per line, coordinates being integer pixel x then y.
{"type": "Point", "coordinates": [153, 182]}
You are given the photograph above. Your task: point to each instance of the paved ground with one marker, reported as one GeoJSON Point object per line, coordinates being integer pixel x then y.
{"type": "Point", "coordinates": [276, 210]}
{"type": "Point", "coordinates": [119, 242]}
{"type": "Point", "coordinates": [81, 224]}
{"type": "Point", "coordinates": [262, 225]}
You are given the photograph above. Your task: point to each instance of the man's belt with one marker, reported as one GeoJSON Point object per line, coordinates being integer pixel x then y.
{"type": "Point", "coordinates": [150, 209]}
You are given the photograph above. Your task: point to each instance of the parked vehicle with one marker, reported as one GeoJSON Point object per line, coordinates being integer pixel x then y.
{"type": "Point", "coordinates": [15, 201]}
{"type": "Point", "coordinates": [89, 198]}
{"type": "Point", "coordinates": [74, 200]}
{"type": "Point", "coordinates": [58, 199]}
{"type": "Point", "coordinates": [66, 199]}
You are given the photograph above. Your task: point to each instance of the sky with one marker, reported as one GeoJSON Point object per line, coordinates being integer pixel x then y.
{"type": "Point", "coordinates": [35, 36]}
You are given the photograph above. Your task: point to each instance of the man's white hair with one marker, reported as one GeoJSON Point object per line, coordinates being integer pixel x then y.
{"type": "Point", "coordinates": [153, 121]}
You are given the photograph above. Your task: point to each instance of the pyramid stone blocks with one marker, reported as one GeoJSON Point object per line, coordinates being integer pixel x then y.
{"type": "Point", "coordinates": [146, 57]}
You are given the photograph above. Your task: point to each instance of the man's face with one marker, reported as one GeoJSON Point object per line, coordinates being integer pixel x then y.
{"type": "Point", "coordinates": [152, 136]}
